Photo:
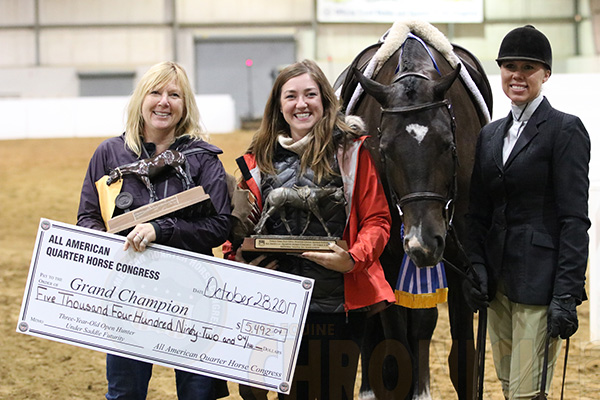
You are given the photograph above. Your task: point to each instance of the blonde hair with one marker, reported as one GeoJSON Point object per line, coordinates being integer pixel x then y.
{"type": "Point", "coordinates": [321, 150]}
{"type": "Point", "coordinates": [157, 77]}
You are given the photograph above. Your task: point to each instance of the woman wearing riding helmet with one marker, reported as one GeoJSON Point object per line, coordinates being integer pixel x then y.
{"type": "Point", "coordinates": [528, 215]}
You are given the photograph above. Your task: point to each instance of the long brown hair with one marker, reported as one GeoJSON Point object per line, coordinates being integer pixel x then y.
{"type": "Point", "coordinates": [320, 152]}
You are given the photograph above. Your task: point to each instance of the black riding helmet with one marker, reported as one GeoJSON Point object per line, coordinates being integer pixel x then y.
{"type": "Point", "coordinates": [526, 43]}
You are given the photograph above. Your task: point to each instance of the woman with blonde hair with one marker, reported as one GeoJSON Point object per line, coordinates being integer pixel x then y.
{"type": "Point", "coordinates": [162, 115]}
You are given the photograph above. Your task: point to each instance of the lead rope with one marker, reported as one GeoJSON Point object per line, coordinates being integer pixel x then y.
{"type": "Point", "coordinates": [562, 389]}
{"type": "Point", "coordinates": [542, 394]}
{"type": "Point", "coordinates": [482, 321]}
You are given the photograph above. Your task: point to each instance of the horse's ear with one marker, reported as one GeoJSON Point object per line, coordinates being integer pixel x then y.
{"type": "Point", "coordinates": [375, 89]}
{"type": "Point", "coordinates": [443, 84]}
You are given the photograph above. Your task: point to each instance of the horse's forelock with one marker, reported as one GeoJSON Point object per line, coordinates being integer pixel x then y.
{"type": "Point", "coordinates": [410, 87]}
{"type": "Point", "coordinates": [411, 90]}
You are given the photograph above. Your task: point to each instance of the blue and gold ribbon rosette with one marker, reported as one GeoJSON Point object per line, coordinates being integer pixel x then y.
{"type": "Point", "coordinates": [421, 287]}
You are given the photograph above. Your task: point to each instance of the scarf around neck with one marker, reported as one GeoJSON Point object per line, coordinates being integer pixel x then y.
{"type": "Point", "coordinates": [298, 147]}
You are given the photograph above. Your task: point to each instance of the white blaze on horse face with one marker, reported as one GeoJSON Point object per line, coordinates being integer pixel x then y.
{"type": "Point", "coordinates": [417, 131]}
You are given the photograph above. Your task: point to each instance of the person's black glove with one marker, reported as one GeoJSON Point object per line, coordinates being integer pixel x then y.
{"type": "Point", "coordinates": [562, 316]}
{"type": "Point", "coordinates": [476, 292]}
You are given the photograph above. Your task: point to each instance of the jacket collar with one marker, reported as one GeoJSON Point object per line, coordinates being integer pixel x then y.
{"type": "Point", "coordinates": [530, 131]}
{"type": "Point", "coordinates": [150, 148]}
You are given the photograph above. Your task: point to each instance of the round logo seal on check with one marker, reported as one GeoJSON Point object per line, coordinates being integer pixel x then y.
{"type": "Point", "coordinates": [284, 386]}
{"type": "Point", "coordinates": [306, 284]}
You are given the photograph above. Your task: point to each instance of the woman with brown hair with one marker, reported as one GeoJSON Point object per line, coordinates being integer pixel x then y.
{"type": "Point", "coordinates": [304, 141]}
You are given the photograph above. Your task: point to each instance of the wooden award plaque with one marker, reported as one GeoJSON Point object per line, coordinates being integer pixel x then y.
{"type": "Point", "coordinates": [187, 198]}
{"type": "Point", "coordinates": [290, 244]}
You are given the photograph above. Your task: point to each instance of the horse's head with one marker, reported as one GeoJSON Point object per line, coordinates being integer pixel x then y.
{"type": "Point", "coordinates": [169, 157]}
{"type": "Point", "coordinates": [113, 176]}
{"type": "Point", "coordinates": [336, 195]}
{"type": "Point", "coordinates": [418, 152]}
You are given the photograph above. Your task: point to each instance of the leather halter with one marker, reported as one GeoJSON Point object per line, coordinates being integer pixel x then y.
{"type": "Point", "coordinates": [448, 199]}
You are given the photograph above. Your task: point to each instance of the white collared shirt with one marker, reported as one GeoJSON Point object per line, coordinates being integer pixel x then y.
{"type": "Point", "coordinates": [521, 115]}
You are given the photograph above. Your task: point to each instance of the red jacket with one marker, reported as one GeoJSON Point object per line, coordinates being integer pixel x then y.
{"type": "Point", "coordinates": [367, 228]}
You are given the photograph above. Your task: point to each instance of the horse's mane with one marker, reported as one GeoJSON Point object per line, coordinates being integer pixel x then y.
{"type": "Point", "coordinates": [396, 36]}
{"type": "Point", "coordinates": [410, 61]}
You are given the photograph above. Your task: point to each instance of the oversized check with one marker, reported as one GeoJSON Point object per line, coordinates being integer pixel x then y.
{"type": "Point", "coordinates": [165, 306]}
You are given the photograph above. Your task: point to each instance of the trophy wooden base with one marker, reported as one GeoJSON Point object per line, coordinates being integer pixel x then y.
{"type": "Point", "coordinates": [290, 244]}
{"type": "Point", "coordinates": [162, 207]}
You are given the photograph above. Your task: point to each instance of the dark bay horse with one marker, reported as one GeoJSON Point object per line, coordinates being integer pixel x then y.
{"type": "Point", "coordinates": [424, 124]}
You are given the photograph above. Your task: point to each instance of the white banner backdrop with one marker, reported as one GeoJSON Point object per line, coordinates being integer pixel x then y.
{"type": "Point", "coordinates": [594, 262]}
{"type": "Point", "coordinates": [31, 118]}
{"type": "Point", "coordinates": [441, 11]}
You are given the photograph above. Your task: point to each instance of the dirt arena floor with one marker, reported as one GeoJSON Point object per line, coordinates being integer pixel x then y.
{"type": "Point", "coordinates": [42, 178]}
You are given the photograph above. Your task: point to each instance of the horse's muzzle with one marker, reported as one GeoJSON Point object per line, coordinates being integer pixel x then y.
{"type": "Point", "coordinates": [423, 254]}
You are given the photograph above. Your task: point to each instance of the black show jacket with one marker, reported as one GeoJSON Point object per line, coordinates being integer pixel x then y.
{"type": "Point", "coordinates": [528, 219]}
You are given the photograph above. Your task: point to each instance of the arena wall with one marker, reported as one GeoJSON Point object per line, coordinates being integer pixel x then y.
{"type": "Point", "coordinates": [70, 36]}
{"type": "Point", "coordinates": [32, 118]}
